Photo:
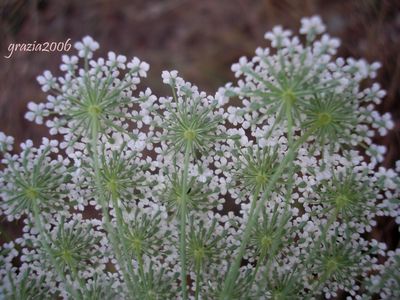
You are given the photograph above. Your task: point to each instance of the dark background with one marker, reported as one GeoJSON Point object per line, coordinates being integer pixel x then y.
{"type": "Point", "coordinates": [200, 38]}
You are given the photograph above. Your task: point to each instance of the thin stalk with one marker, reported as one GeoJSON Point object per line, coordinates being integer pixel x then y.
{"type": "Point", "coordinates": [140, 263]}
{"type": "Point", "coordinates": [317, 283]}
{"type": "Point", "coordinates": [289, 123]}
{"type": "Point", "coordinates": [289, 193]}
{"type": "Point", "coordinates": [104, 207]}
{"type": "Point", "coordinates": [43, 238]}
{"type": "Point", "coordinates": [198, 280]}
{"type": "Point", "coordinates": [183, 221]}
{"type": "Point", "coordinates": [324, 232]}
{"type": "Point", "coordinates": [253, 205]}
{"type": "Point", "coordinates": [79, 279]}
{"type": "Point", "coordinates": [254, 275]}
{"type": "Point", "coordinates": [254, 200]}
{"type": "Point", "coordinates": [234, 269]}
{"type": "Point", "coordinates": [120, 226]}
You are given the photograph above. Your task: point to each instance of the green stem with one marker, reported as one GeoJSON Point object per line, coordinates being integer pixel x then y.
{"type": "Point", "coordinates": [121, 226]}
{"type": "Point", "coordinates": [289, 124]}
{"type": "Point", "coordinates": [77, 278]}
{"type": "Point", "coordinates": [44, 242]}
{"type": "Point", "coordinates": [234, 269]}
{"type": "Point", "coordinates": [198, 280]}
{"type": "Point", "coordinates": [140, 263]}
{"type": "Point", "coordinates": [183, 221]}
{"type": "Point", "coordinates": [104, 207]}
{"type": "Point", "coordinates": [253, 205]}
{"type": "Point", "coordinates": [254, 200]}
{"type": "Point", "coordinates": [254, 275]}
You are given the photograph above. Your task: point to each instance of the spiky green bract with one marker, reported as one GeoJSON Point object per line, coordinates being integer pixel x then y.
{"type": "Point", "coordinates": [269, 234]}
{"type": "Point", "coordinates": [282, 83]}
{"type": "Point", "coordinates": [74, 245]}
{"type": "Point", "coordinates": [24, 287]}
{"type": "Point", "coordinates": [100, 288]}
{"type": "Point", "coordinates": [338, 260]}
{"type": "Point", "coordinates": [255, 167]}
{"type": "Point", "coordinates": [120, 175]}
{"type": "Point", "coordinates": [280, 286]}
{"type": "Point", "coordinates": [141, 234]}
{"type": "Point", "coordinates": [198, 196]}
{"type": "Point", "coordinates": [348, 196]}
{"type": "Point", "coordinates": [386, 284]}
{"type": "Point", "coordinates": [240, 291]}
{"type": "Point", "coordinates": [154, 285]}
{"type": "Point", "coordinates": [190, 119]}
{"type": "Point", "coordinates": [289, 85]}
{"type": "Point", "coordinates": [203, 245]}
{"type": "Point", "coordinates": [92, 92]}
{"type": "Point", "coordinates": [33, 178]}
{"type": "Point", "coordinates": [332, 116]}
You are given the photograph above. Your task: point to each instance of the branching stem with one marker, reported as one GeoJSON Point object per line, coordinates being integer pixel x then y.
{"type": "Point", "coordinates": [183, 213]}
{"type": "Point", "coordinates": [104, 206]}
{"type": "Point", "coordinates": [234, 269]}
{"type": "Point", "coordinates": [43, 238]}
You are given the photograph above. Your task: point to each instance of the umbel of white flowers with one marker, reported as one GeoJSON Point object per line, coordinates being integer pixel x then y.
{"type": "Point", "coordinates": [270, 196]}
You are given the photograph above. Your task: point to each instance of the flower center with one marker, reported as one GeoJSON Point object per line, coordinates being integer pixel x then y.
{"type": "Point", "coordinates": [331, 266]}
{"type": "Point", "coordinates": [266, 242]}
{"type": "Point", "coordinates": [289, 97]}
{"type": "Point", "coordinates": [189, 134]}
{"type": "Point", "coordinates": [94, 110]}
{"type": "Point", "coordinates": [112, 185]}
{"type": "Point", "coordinates": [66, 256]}
{"type": "Point", "coordinates": [31, 193]}
{"type": "Point", "coordinates": [341, 201]}
{"type": "Point", "coordinates": [137, 245]}
{"type": "Point", "coordinates": [199, 254]}
{"type": "Point", "coordinates": [324, 119]}
{"type": "Point", "coordinates": [261, 178]}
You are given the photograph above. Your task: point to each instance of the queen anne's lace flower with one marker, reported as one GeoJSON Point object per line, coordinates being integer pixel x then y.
{"type": "Point", "coordinates": [270, 196]}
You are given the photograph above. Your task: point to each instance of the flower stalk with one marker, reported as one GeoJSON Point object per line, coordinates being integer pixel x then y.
{"type": "Point", "coordinates": [104, 206]}
{"type": "Point", "coordinates": [252, 219]}
{"type": "Point", "coordinates": [38, 223]}
{"type": "Point", "coordinates": [183, 213]}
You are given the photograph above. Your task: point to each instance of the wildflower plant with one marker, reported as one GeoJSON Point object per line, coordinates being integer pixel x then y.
{"type": "Point", "coordinates": [267, 190]}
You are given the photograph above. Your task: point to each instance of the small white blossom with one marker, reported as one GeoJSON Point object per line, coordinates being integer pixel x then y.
{"type": "Point", "coordinates": [36, 112]}
{"type": "Point", "coordinates": [312, 26]}
{"type": "Point", "coordinates": [86, 47]}
{"type": "Point", "coordinates": [6, 142]}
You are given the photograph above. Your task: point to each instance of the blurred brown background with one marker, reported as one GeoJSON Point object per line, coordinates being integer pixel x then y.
{"type": "Point", "coordinates": [200, 38]}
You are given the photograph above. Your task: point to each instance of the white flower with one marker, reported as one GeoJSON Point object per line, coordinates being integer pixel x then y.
{"type": "Point", "coordinates": [312, 26]}
{"type": "Point", "coordinates": [239, 67]}
{"type": "Point", "coordinates": [278, 36]}
{"type": "Point", "coordinates": [169, 77]}
{"type": "Point", "coordinates": [55, 125]}
{"type": "Point", "coordinates": [234, 115]}
{"type": "Point", "coordinates": [37, 112]}
{"type": "Point", "coordinates": [69, 63]}
{"type": "Point", "coordinates": [377, 153]}
{"type": "Point", "coordinates": [47, 81]}
{"type": "Point", "coordinates": [6, 142]}
{"type": "Point", "coordinates": [86, 47]}
{"type": "Point", "coordinates": [141, 66]}
{"type": "Point", "coordinates": [115, 61]}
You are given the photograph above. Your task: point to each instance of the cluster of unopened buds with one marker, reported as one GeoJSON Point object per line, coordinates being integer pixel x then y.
{"type": "Point", "coordinates": [268, 190]}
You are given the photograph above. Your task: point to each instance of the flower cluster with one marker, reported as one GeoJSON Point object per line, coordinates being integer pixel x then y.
{"type": "Point", "coordinates": [268, 190]}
